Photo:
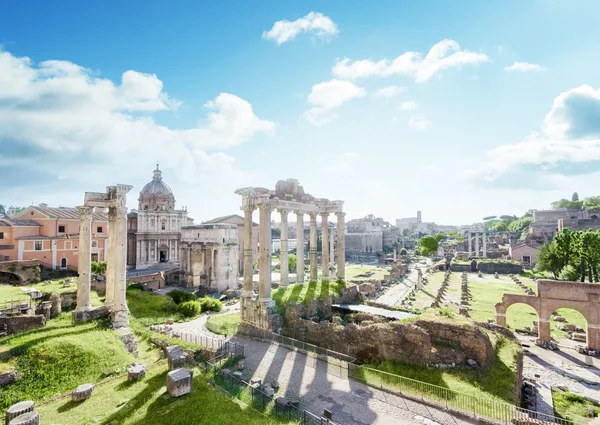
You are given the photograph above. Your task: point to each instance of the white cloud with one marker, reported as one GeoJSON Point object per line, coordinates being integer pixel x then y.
{"type": "Point", "coordinates": [390, 91]}
{"type": "Point", "coordinates": [418, 123]}
{"type": "Point", "coordinates": [322, 26]}
{"type": "Point", "coordinates": [523, 67]}
{"type": "Point", "coordinates": [328, 95]}
{"type": "Point", "coordinates": [59, 120]}
{"type": "Point", "coordinates": [443, 55]}
{"type": "Point", "coordinates": [408, 105]}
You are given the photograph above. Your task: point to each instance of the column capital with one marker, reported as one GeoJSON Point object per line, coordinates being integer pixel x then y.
{"type": "Point", "coordinates": [312, 215]}
{"type": "Point", "coordinates": [85, 211]}
{"type": "Point", "coordinates": [340, 214]}
{"type": "Point", "coordinates": [299, 213]}
{"type": "Point", "coordinates": [265, 206]}
{"type": "Point", "coordinates": [248, 208]}
{"type": "Point", "coordinates": [324, 214]}
{"type": "Point", "coordinates": [283, 211]}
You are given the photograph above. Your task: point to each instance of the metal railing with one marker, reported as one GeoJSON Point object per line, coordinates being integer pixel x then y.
{"type": "Point", "coordinates": [444, 398]}
{"type": "Point", "coordinates": [214, 344]}
{"type": "Point", "coordinates": [17, 306]}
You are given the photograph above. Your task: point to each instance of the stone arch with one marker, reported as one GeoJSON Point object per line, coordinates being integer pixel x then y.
{"type": "Point", "coordinates": [27, 271]}
{"type": "Point", "coordinates": [520, 315]}
{"type": "Point", "coordinates": [569, 318]}
{"type": "Point", "coordinates": [10, 278]}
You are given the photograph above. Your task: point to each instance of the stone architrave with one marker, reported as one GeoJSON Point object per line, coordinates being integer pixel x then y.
{"type": "Point", "coordinates": [325, 245]}
{"type": "Point", "coordinates": [283, 258]}
{"type": "Point", "coordinates": [264, 285]}
{"type": "Point", "coordinates": [341, 250]}
{"type": "Point", "coordinates": [85, 258]}
{"type": "Point", "coordinates": [313, 247]}
{"type": "Point", "coordinates": [299, 247]}
{"type": "Point", "coordinates": [248, 270]}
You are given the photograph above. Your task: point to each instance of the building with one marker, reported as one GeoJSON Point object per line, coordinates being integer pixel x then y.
{"type": "Point", "coordinates": [154, 229]}
{"type": "Point", "coordinates": [277, 245]}
{"type": "Point", "coordinates": [410, 223]}
{"type": "Point", "coordinates": [239, 222]}
{"type": "Point", "coordinates": [526, 254]}
{"type": "Point", "coordinates": [592, 223]}
{"type": "Point", "coordinates": [51, 236]}
{"type": "Point", "coordinates": [364, 235]}
{"type": "Point", "coordinates": [545, 224]}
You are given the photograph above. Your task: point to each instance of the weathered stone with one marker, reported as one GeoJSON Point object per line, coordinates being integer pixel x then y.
{"type": "Point", "coordinates": [29, 418]}
{"type": "Point", "coordinates": [8, 377]}
{"type": "Point", "coordinates": [18, 324]}
{"type": "Point", "coordinates": [128, 339]}
{"type": "Point", "coordinates": [268, 390]}
{"type": "Point", "coordinates": [88, 315]}
{"type": "Point", "coordinates": [472, 363]}
{"type": "Point", "coordinates": [238, 374]}
{"type": "Point", "coordinates": [256, 381]}
{"type": "Point", "coordinates": [18, 409]}
{"type": "Point", "coordinates": [136, 371]}
{"type": "Point", "coordinates": [179, 382]}
{"type": "Point", "coordinates": [82, 392]}
{"type": "Point", "coordinates": [176, 357]}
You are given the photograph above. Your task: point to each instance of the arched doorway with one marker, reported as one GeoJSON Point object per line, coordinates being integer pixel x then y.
{"type": "Point", "coordinates": [570, 324]}
{"type": "Point", "coordinates": [10, 278]}
{"type": "Point", "coordinates": [163, 254]}
{"type": "Point", "coordinates": [63, 263]}
{"type": "Point", "coordinates": [521, 316]}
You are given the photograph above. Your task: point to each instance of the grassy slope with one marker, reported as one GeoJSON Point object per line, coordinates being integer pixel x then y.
{"type": "Point", "coordinates": [304, 293]}
{"type": "Point", "coordinates": [146, 402]}
{"type": "Point", "coordinates": [573, 407]}
{"type": "Point", "coordinates": [15, 293]}
{"type": "Point", "coordinates": [149, 309]}
{"type": "Point", "coordinates": [227, 321]}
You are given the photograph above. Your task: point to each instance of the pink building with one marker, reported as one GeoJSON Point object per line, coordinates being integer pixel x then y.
{"type": "Point", "coordinates": [50, 235]}
{"type": "Point", "coordinates": [526, 254]}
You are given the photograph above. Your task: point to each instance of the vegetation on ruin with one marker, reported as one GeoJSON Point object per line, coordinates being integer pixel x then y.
{"type": "Point", "coordinates": [149, 309]}
{"type": "Point", "coordinates": [180, 296]}
{"type": "Point", "coordinates": [305, 293]}
{"type": "Point", "coordinates": [10, 293]}
{"type": "Point", "coordinates": [224, 324]}
{"type": "Point", "coordinates": [573, 407]}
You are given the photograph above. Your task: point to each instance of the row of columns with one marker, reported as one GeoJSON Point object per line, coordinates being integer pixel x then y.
{"type": "Point", "coordinates": [210, 256]}
{"type": "Point", "coordinates": [484, 239]}
{"type": "Point", "coordinates": [265, 249]}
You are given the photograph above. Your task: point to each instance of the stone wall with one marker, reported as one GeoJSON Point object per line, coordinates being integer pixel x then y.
{"type": "Point", "coordinates": [499, 267]}
{"type": "Point", "coordinates": [18, 324]}
{"type": "Point", "coordinates": [151, 282]}
{"type": "Point", "coordinates": [68, 299]}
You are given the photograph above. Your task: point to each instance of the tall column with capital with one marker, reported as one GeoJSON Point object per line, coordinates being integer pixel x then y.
{"type": "Point", "coordinates": [248, 291]}
{"type": "Point", "coordinates": [111, 266]}
{"type": "Point", "coordinates": [325, 245]}
{"type": "Point", "coordinates": [470, 244]}
{"type": "Point", "coordinates": [331, 248]}
{"type": "Point", "coordinates": [313, 246]}
{"type": "Point", "coordinates": [476, 244]}
{"type": "Point", "coordinates": [341, 250]}
{"type": "Point", "coordinates": [85, 258]}
{"type": "Point", "coordinates": [283, 258]}
{"type": "Point", "coordinates": [484, 244]}
{"type": "Point", "coordinates": [299, 247]}
{"type": "Point", "coordinates": [264, 284]}
{"type": "Point", "coordinates": [120, 310]}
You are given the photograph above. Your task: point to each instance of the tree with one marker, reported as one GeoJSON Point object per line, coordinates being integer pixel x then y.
{"type": "Point", "coordinates": [548, 260]}
{"type": "Point", "coordinates": [292, 263]}
{"type": "Point", "coordinates": [575, 197]}
{"type": "Point", "coordinates": [2, 210]}
{"type": "Point", "coordinates": [566, 204]}
{"type": "Point", "coordinates": [98, 267]}
{"type": "Point", "coordinates": [439, 237]}
{"type": "Point", "coordinates": [490, 217]}
{"type": "Point", "coordinates": [520, 224]}
{"type": "Point", "coordinates": [591, 203]}
{"type": "Point", "coordinates": [428, 245]}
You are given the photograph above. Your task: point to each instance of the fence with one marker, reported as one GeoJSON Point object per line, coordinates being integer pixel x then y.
{"type": "Point", "coordinates": [217, 345]}
{"type": "Point", "coordinates": [16, 306]}
{"type": "Point", "coordinates": [443, 398]}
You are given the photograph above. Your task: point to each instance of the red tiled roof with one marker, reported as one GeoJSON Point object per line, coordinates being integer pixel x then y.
{"type": "Point", "coordinates": [67, 213]}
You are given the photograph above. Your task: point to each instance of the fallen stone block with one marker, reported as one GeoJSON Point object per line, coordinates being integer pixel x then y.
{"type": "Point", "coordinates": [82, 392]}
{"type": "Point", "coordinates": [29, 418]}
{"type": "Point", "coordinates": [179, 382]}
{"type": "Point", "coordinates": [136, 371]}
{"type": "Point", "coordinates": [19, 409]}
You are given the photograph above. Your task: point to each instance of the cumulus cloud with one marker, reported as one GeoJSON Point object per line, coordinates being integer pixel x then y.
{"type": "Point", "coordinates": [320, 25]}
{"type": "Point", "coordinates": [523, 67]}
{"type": "Point", "coordinates": [568, 143]}
{"type": "Point", "coordinates": [390, 91]}
{"type": "Point", "coordinates": [408, 105]}
{"type": "Point", "coordinates": [443, 55]}
{"type": "Point", "coordinates": [329, 95]}
{"type": "Point", "coordinates": [57, 121]}
{"type": "Point", "coordinates": [418, 123]}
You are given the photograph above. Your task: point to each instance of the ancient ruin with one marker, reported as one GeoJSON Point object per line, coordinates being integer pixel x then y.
{"type": "Point", "coordinates": [476, 231]}
{"type": "Point", "coordinates": [287, 197]}
{"type": "Point", "coordinates": [115, 303]}
{"type": "Point", "coordinates": [552, 295]}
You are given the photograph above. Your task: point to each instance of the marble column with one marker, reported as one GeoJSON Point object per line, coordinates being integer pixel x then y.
{"type": "Point", "coordinates": [476, 244]}
{"type": "Point", "coordinates": [313, 247]}
{"type": "Point", "coordinates": [470, 244]}
{"type": "Point", "coordinates": [299, 247]}
{"type": "Point", "coordinates": [213, 272]}
{"type": "Point", "coordinates": [264, 284]}
{"type": "Point", "coordinates": [283, 258]}
{"type": "Point", "coordinates": [111, 266]}
{"type": "Point", "coordinates": [120, 313]}
{"type": "Point", "coordinates": [85, 258]}
{"type": "Point", "coordinates": [248, 291]}
{"type": "Point", "coordinates": [341, 250]}
{"type": "Point", "coordinates": [325, 245]}
{"type": "Point", "coordinates": [331, 248]}
{"type": "Point", "coordinates": [484, 244]}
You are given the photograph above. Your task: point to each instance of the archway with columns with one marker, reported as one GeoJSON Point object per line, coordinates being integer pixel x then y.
{"type": "Point", "coordinates": [288, 197]}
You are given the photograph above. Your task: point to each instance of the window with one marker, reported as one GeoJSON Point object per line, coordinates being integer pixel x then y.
{"type": "Point", "coordinates": [526, 259]}
{"type": "Point", "coordinates": [99, 229]}
{"type": "Point", "coordinates": [63, 263]}
{"type": "Point", "coordinates": [163, 226]}
{"type": "Point", "coordinates": [38, 245]}
{"type": "Point", "coordinates": [1, 235]}
{"type": "Point", "coordinates": [6, 258]}
{"type": "Point", "coordinates": [61, 229]}
{"type": "Point", "coordinates": [94, 244]}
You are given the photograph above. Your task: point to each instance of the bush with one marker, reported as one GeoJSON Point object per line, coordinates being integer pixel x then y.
{"type": "Point", "coordinates": [189, 308]}
{"type": "Point", "coordinates": [570, 273]}
{"type": "Point", "coordinates": [135, 287]}
{"type": "Point", "coordinates": [210, 304]}
{"type": "Point", "coordinates": [180, 296]}
{"type": "Point", "coordinates": [446, 312]}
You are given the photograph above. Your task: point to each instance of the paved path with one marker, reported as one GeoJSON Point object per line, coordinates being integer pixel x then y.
{"type": "Point", "coordinates": [396, 293]}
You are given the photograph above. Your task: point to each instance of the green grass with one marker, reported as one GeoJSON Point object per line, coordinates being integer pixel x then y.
{"type": "Point", "coordinates": [147, 308]}
{"type": "Point", "coordinates": [224, 324]}
{"type": "Point", "coordinates": [572, 407]}
{"type": "Point", "coordinates": [426, 296]}
{"type": "Point", "coordinates": [305, 293]}
{"type": "Point", "coordinates": [353, 270]}
{"type": "Point", "coordinates": [147, 403]}
{"type": "Point", "coordinates": [59, 357]}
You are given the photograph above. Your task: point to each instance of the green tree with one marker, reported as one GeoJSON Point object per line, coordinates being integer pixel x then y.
{"type": "Point", "coordinates": [591, 203]}
{"type": "Point", "coordinates": [292, 263]}
{"type": "Point", "coordinates": [439, 237]}
{"type": "Point", "coordinates": [98, 267]}
{"type": "Point", "coordinates": [566, 204]}
{"type": "Point", "coordinates": [490, 217]}
{"type": "Point", "coordinates": [428, 245]}
{"type": "Point", "coordinates": [520, 224]}
{"type": "Point", "coordinates": [548, 260]}
{"type": "Point", "coordinates": [575, 197]}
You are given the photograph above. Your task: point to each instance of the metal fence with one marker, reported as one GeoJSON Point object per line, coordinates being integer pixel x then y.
{"type": "Point", "coordinates": [217, 345]}
{"type": "Point", "coordinates": [444, 398]}
{"type": "Point", "coordinates": [17, 306]}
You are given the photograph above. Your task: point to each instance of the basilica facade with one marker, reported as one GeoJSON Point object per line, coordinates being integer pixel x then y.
{"type": "Point", "coordinates": [154, 229]}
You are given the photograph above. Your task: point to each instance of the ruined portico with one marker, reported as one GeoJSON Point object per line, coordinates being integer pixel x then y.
{"type": "Point", "coordinates": [115, 303]}
{"type": "Point", "coordinates": [552, 295]}
{"type": "Point", "coordinates": [287, 197]}
{"type": "Point", "coordinates": [477, 232]}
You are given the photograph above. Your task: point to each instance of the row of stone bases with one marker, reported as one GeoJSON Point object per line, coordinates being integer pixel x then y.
{"type": "Point", "coordinates": [287, 197]}
{"type": "Point", "coordinates": [115, 304]}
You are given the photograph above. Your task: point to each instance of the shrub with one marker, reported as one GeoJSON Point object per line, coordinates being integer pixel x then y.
{"type": "Point", "coordinates": [180, 296]}
{"type": "Point", "coordinates": [135, 286]}
{"type": "Point", "coordinates": [189, 308]}
{"type": "Point", "coordinates": [446, 312]}
{"type": "Point", "coordinates": [210, 304]}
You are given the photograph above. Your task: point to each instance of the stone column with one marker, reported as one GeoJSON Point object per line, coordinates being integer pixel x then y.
{"type": "Point", "coordinates": [476, 244]}
{"type": "Point", "coordinates": [470, 244]}
{"type": "Point", "coordinates": [120, 314]}
{"type": "Point", "coordinates": [341, 250]}
{"type": "Point", "coordinates": [331, 249]}
{"type": "Point", "coordinates": [264, 284]}
{"type": "Point", "coordinates": [313, 246]}
{"type": "Point", "coordinates": [484, 244]}
{"type": "Point", "coordinates": [213, 270]}
{"type": "Point", "coordinates": [283, 258]}
{"type": "Point", "coordinates": [325, 245]}
{"type": "Point", "coordinates": [85, 258]}
{"type": "Point", "coordinates": [544, 330]}
{"type": "Point", "coordinates": [111, 266]}
{"type": "Point", "coordinates": [299, 247]}
{"type": "Point", "coordinates": [248, 291]}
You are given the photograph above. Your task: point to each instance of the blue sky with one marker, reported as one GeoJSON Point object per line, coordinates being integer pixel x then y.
{"type": "Point", "coordinates": [505, 117]}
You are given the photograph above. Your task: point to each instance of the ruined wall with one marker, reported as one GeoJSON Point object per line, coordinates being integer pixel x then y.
{"type": "Point", "coordinates": [18, 324]}
{"type": "Point", "coordinates": [499, 267]}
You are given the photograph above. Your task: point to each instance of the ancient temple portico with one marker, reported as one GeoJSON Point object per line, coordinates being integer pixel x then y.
{"type": "Point", "coordinates": [476, 231]}
{"type": "Point", "coordinates": [287, 197]}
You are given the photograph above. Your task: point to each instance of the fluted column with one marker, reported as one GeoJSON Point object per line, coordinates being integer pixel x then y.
{"type": "Point", "coordinates": [264, 284]}
{"type": "Point", "coordinates": [332, 248]}
{"type": "Point", "coordinates": [476, 244]}
{"type": "Point", "coordinates": [484, 245]}
{"type": "Point", "coordinates": [470, 244]}
{"type": "Point", "coordinates": [120, 310]}
{"type": "Point", "coordinates": [283, 258]}
{"type": "Point", "coordinates": [85, 258]}
{"type": "Point", "coordinates": [111, 266]}
{"type": "Point", "coordinates": [299, 247]}
{"type": "Point", "coordinates": [313, 246]}
{"type": "Point", "coordinates": [248, 284]}
{"type": "Point", "coordinates": [341, 251]}
{"type": "Point", "coordinates": [325, 245]}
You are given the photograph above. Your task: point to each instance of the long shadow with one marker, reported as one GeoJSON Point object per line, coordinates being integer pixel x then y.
{"type": "Point", "coordinates": [577, 361]}
{"type": "Point", "coordinates": [554, 368]}
{"type": "Point", "coordinates": [324, 289]}
{"type": "Point", "coordinates": [310, 293]}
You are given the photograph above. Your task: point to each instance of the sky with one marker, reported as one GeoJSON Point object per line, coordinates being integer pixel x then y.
{"type": "Point", "coordinates": [461, 110]}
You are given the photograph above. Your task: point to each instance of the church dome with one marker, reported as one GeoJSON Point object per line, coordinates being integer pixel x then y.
{"type": "Point", "coordinates": [157, 195]}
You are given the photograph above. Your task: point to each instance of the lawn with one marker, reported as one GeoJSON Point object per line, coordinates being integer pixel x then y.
{"type": "Point", "coordinates": [147, 308]}
{"type": "Point", "coordinates": [306, 292]}
{"type": "Point", "coordinates": [147, 403]}
{"type": "Point", "coordinates": [573, 407]}
{"type": "Point", "coordinates": [353, 272]}
{"type": "Point", "coordinates": [224, 324]}
{"type": "Point", "coordinates": [16, 293]}
{"type": "Point", "coordinates": [426, 296]}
